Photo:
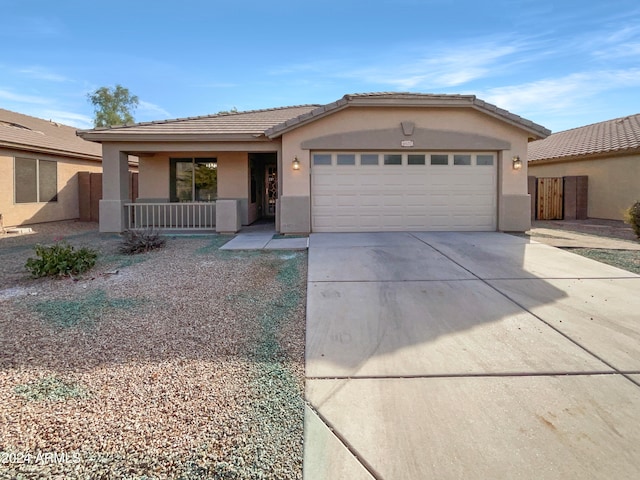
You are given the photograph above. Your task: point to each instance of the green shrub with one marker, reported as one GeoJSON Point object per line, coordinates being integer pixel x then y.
{"type": "Point", "coordinates": [50, 388]}
{"type": "Point", "coordinates": [141, 241]}
{"type": "Point", "coordinates": [632, 217]}
{"type": "Point", "coordinates": [61, 260]}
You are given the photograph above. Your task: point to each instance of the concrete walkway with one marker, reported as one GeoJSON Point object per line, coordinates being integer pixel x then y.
{"type": "Point", "coordinates": [468, 356]}
{"type": "Point", "coordinates": [568, 239]}
{"type": "Point", "coordinates": [261, 237]}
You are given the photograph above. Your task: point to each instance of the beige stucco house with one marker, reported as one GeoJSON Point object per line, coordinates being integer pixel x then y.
{"type": "Point", "coordinates": [608, 153]}
{"type": "Point", "coordinates": [367, 162]}
{"type": "Point", "coordinates": [39, 163]}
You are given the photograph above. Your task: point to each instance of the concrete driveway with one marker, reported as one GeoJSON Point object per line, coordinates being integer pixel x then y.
{"type": "Point", "coordinates": [468, 356]}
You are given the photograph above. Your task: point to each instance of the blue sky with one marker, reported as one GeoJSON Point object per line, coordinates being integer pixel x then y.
{"type": "Point", "coordinates": [560, 63]}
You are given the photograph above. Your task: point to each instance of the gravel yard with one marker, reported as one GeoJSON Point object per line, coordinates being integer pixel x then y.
{"type": "Point", "coordinates": [186, 363]}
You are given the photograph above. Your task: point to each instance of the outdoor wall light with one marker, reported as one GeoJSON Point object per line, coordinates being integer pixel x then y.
{"type": "Point", "coordinates": [296, 163]}
{"type": "Point", "coordinates": [517, 163]}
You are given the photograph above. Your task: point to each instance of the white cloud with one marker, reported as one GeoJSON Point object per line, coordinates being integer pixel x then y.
{"type": "Point", "coordinates": [77, 120]}
{"type": "Point", "coordinates": [152, 110]}
{"type": "Point", "coordinates": [562, 93]}
{"type": "Point", "coordinates": [40, 73]}
{"type": "Point", "coordinates": [17, 97]}
{"type": "Point", "coordinates": [439, 67]}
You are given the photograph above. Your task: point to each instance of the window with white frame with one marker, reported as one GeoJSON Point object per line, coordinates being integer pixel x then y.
{"type": "Point", "coordinates": [36, 181]}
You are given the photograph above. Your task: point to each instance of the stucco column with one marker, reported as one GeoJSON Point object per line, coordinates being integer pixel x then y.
{"type": "Point", "coordinates": [514, 212]}
{"type": "Point", "coordinates": [115, 189]}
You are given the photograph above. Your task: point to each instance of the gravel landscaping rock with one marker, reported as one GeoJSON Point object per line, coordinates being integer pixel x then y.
{"type": "Point", "coordinates": [186, 363]}
{"type": "Point", "coordinates": [626, 259]}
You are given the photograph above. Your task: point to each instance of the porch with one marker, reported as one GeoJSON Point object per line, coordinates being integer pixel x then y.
{"type": "Point", "coordinates": [182, 190]}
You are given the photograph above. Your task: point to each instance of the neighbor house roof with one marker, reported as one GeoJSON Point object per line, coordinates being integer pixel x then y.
{"type": "Point", "coordinates": [272, 123]}
{"type": "Point", "coordinates": [613, 137]}
{"type": "Point", "coordinates": [407, 99]}
{"type": "Point", "coordinates": [22, 132]}
{"type": "Point", "coordinates": [248, 125]}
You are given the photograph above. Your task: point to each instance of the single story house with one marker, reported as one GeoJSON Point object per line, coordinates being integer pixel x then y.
{"type": "Point", "coordinates": [39, 163]}
{"type": "Point", "coordinates": [608, 153]}
{"type": "Point", "coordinates": [366, 162]}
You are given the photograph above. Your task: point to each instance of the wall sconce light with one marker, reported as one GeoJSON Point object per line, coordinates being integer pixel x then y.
{"type": "Point", "coordinates": [517, 163]}
{"type": "Point", "coordinates": [296, 163]}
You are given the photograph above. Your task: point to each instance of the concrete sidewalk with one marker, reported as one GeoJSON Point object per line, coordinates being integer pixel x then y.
{"type": "Point", "coordinates": [262, 238]}
{"type": "Point", "coordinates": [569, 239]}
{"type": "Point", "coordinates": [468, 355]}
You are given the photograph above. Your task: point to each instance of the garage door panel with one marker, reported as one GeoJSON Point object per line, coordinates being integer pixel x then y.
{"type": "Point", "coordinates": [403, 197]}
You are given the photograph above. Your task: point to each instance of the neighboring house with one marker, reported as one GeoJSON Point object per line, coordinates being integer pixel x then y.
{"type": "Point", "coordinates": [608, 153]}
{"type": "Point", "coordinates": [39, 162]}
{"type": "Point", "coordinates": [367, 162]}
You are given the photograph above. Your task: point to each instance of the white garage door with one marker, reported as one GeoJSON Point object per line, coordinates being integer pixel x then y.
{"type": "Point", "coordinates": [389, 191]}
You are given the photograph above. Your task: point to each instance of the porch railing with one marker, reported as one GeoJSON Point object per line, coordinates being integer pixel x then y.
{"type": "Point", "coordinates": [171, 216]}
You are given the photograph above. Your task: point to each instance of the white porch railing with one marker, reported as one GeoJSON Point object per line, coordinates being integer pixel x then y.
{"type": "Point", "coordinates": [174, 216]}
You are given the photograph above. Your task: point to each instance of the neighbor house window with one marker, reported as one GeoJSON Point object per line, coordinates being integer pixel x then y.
{"type": "Point", "coordinates": [36, 181]}
{"type": "Point", "coordinates": [193, 179]}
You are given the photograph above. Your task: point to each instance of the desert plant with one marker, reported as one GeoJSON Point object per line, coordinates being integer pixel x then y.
{"type": "Point", "coordinates": [632, 217]}
{"type": "Point", "coordinates": [60, 259]}
{"type": "Point", "coordinates": [141, 241]}
{"type": "Point", "coordinates": [50, 388]}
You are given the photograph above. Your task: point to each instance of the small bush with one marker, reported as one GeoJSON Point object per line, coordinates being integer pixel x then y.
{"type": "Point", "coordinates": [632, 217]}
{"type": "Point", "coordinates": [50, 388]}
{"type": "Point", "coordinates": [141, 241]}
{"type": "Point", "coordinates": [60, 260]}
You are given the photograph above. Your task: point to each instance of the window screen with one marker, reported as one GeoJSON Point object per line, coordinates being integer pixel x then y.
{"type": "Point", "coordinates": [26, 180]}
{"type": "Point", "coordinates": [48, 181]}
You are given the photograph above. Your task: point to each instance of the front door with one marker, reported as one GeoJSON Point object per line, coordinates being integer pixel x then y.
{"type": "Point", "coordinates": [271, 190]}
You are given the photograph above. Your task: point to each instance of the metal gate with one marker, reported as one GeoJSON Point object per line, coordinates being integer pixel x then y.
{"type": "Point", "coordinates": [549, 202]}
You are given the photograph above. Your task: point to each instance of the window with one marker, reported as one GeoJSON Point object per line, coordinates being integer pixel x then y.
{"type": "Point", "coordinates": [321, 159]}
{"type": "Point", "coordinates": [393, 159]}
{"type": "Point", "coordinates": [36, 181]}
{"type": "Point", "coordinates": [462, 159]}
{"type": "Point", "coordinates": [346, 159]}
{"type": "Point", "coordinates": [369, 159]}
{"type": "Point", "coordinates": [193, 179]}
{"type": "Point", "coordinates": [415, 160]}
{"type": "Point", "coordinates": [439, 159]}
{"type": "Point", "coordinates": [484, 160]}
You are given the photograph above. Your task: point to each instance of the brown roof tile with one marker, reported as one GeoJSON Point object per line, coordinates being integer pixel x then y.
{"type": "Point", "coordinates": [253, 122]}
{"type": "Point", "coordinates": [408, 99]}
{"type": "Point", "coordinates": [276, 121]}
{"type": "Point", "coordinates": [613, 136]}
{"type": "Point", "coordinates": [24, 132]}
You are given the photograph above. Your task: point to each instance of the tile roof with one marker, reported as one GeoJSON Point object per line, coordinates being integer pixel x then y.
{"type": "Point", "coordinates": [249, 123]}
{"type": "Point", "coordinates": [23, 132]}
{"type": "Point", "coordinates": [255, 124]}
{"type": "Point", "coordinates": [616, 136]}
{"type": "Point", "coordinates": [408, 99]}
